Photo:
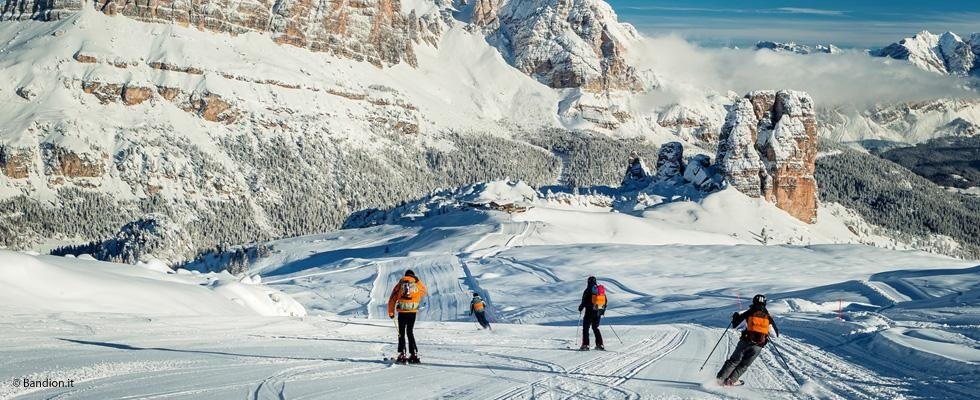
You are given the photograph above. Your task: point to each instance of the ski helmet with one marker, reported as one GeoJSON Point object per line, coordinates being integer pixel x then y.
{"type": "Point", "coordinates": [409, 272]}
{"type": "Point", "coordinates": [475, 294]}
{"type": "Point", "coordinates": [759, 299]}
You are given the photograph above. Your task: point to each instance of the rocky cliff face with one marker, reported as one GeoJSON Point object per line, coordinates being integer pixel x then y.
{"type": "Point", "coordinates": [485, 12]}
{"type": "Point", "coordinates": [637, 174]}
{"type": "Point", "coordinates": [368, 30]}
{"type": "Point", "coordinates": [737, 155]}
{"type": "Point", "coordinates": [768, 149]}
{"type": "Point", "coordinates": [670, 161]}
{"type": "Point", "coordinates": [946, 54]}
{"type": "Point", "coordinates": [15, 163]}
{"type": "Point", "coordinates": [561, 43]}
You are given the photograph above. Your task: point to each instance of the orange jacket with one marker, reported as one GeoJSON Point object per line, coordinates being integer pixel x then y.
{"type": "Point", "coordinates": [406, 303]}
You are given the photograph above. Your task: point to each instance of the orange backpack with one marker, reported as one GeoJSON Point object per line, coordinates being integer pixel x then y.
{"type": "Point", "coordinates": [757, 326]}
{"type": "Point", "coordinates": [410, 297]}
{"type": "Point", "coordinates": [599, 297]}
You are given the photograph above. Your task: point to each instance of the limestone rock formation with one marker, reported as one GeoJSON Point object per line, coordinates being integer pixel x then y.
{"type": "Point", "coordinates": [637, 173]}
{"type": "Point", "coordinates": [133, 95]}
{"type": "Point", "coordinates": [704, 176]}
{"type": "Point", "coordinates": [485, 12]}
{"type": "Point", "coordinates": [366, 30]}
{"type": "Point", "coordinates": [562, 43]}
{"type": "Point", "coordinates": [737, 155]}
{"type": "Point", "coordinates": [768, 149]}
{"type": "Point", "coordinates": [670, 161]}
{"type": "Point", "coordinates": [15, 163]}
{"type": "Point", "coordinates": [72, 164]}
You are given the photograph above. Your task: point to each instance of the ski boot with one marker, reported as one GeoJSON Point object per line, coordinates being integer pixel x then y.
{"type": "Point", "coordinates": [414, 359]}
{"type": "Point", "coordinates": [600, 347]}
{"type": "Point", "coordinates": [731, 382]}
{"type": "Point", "coordinates": [401, 359]}
{"type": "Point", "coordinates": [584, 347]}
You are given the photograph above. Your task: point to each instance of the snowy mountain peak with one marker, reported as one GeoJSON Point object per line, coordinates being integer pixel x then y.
{"type": "Point", "coordinates": [562, 43]}
{"type": "Point", "coordinates": [958, 55]}
{"type": "Point", "coordinates": [945, 54]}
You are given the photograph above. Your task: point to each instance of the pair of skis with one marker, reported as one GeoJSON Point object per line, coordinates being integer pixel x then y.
{"type": "Point", "coordinates": [394, 360]}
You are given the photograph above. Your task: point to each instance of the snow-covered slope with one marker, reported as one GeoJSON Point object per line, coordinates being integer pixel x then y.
{"type": "Point", "coordinates": [907, 318]}
{"type": "Point", "coordinates": [41, 284]}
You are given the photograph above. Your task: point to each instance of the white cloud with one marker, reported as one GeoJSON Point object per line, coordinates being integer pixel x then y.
{"type": "Point", "coordinates": [852, 78]}
{"type": "Point", "coordinates": [811, 11]}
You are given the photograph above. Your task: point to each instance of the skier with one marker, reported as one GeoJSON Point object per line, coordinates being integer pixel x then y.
{"type": "Point", "coordinates": [478, 307]}
{"type": "Point", "coordinates": [594, 304]}
{"type": "Point", "coordinates": [406, 296]}
{"type": "Point", "coordinates": [754, 337]}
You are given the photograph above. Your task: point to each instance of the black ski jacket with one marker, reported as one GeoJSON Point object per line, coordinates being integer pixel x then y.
{"type": "Point", "coordinates": [586, 303]}
{"type": "Point", "coordinates": [739, 318]}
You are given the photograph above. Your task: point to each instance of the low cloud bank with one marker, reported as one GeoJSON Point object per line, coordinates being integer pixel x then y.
{"type": "Point", "coordinates": [851, 78]}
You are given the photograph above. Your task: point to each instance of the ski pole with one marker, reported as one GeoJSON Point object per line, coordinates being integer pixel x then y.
{"type": "Point", "coordinates": [715, 348]}
{"type": "Point", "coordinates": [780, 357]}
{"type": "Point", "coordinates": [617, 335]}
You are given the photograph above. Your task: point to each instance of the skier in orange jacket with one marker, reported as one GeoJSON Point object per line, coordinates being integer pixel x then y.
{"type": "Point", "coordinates": [754, 337]}
{"type": "Point", "coordinates": [406, 297]}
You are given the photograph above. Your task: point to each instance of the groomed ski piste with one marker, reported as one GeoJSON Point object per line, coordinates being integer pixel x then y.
{"type": "Point", "coordinates": [309, 320]}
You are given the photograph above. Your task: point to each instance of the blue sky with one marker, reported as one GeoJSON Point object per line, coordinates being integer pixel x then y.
{"type": "Point", "coordinates": [855, 23]}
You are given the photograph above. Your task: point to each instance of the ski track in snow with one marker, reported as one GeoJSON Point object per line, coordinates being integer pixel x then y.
{"type": "Point", "coordinates": [601, 377]}
{"type": "Point", "coordinates": [540, 272]}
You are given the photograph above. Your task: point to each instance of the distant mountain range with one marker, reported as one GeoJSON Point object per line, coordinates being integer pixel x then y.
{"type": "Point", "coordinates": [946, 54]}
{"type": "Point", "coordinates": [794, 47]}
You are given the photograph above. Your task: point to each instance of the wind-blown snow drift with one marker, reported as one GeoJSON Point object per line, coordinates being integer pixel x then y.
{"type": "Point", "coordinates": [53, 284]}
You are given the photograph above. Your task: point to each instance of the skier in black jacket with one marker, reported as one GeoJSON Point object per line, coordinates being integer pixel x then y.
{"type": "Point", "coordinates": [592, 315]}
{"type": "Point", "coordinates": [754, 337]}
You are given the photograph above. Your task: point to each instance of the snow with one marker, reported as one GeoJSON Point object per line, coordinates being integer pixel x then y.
{"type": "Point", "coordinates": [309, 319]}
{"type": "Point", "coordinates": [502, 193]}
{"type": "Point", "coordinates": [462, 84]}
{"type": "Point", "coordinates": [673, 274]}
{"type": "Point", "coordinates": [40, 284]}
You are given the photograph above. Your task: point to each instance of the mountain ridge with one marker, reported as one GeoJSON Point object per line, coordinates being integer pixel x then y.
{"type": "Point", "coordinates": [111, 113]}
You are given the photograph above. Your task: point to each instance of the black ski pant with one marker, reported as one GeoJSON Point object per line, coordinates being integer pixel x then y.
{"type": "Point", "coordinates": [406, 326]}
{"type": "Point", "coordinates": [591, 320]}
{"type": "Point", "coordinates": [743, 356]}
{"type": "Point", "coordinates": [481, 317]}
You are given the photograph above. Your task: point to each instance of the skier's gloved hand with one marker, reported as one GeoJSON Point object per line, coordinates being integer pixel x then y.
{"type": "Point", "coordinates": [734, 319]}
{"type": "Point", "coordinates": [580, 308]}
{"type": "Point", "coordinates": [391, 315]}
